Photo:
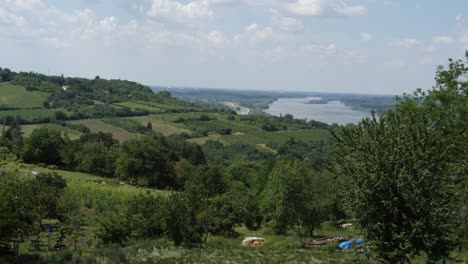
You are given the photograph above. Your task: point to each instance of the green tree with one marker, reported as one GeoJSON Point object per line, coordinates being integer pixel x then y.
{"type": "Point", "coordinates": [13, 138]}
{"type": "Point", "coordinates": [44, 145]}
{"type": "Point", "coordinates": [113, 226]}
{"type": "Point", "coordinates": [145, 158]}
{"type": "Point", "coordinates": [289, 199]}
{"type": "Point", "coordinates": [16, 219]}
{"type": "Point", "coordinates": [409, 169]}
{"type": "Point", "coordinates": [25, 203]}
{"type": "Point", "coordinates": [149, 126]}
{"type": "Point", "coordinates": [146, 212]}
{"type": "Point", "coordinates": [96, 158]}
{"type": "Point", "coordinates": [180, 222]}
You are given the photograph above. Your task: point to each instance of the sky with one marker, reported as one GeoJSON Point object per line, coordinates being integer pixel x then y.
{"type": "Point", "coordinates": [352, 46]}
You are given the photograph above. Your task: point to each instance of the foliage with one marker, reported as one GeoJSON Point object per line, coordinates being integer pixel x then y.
{"type": "Point", "coordinates": [408, 168]}
{"type": "Point", "coordinates": [12, 138]}
{"type": "Point", "coordinates": [44, 145]}
{"type": "Point", "coordinates": [180, 221]}
{"type": "Point", "coordinates": [290, 200]}
{"type": "Point", "coordinates": [25, 202]}
{"type": "Point", "coordinates": [145, 158]}
{"type": "Point", "coordinates": [130, 125]}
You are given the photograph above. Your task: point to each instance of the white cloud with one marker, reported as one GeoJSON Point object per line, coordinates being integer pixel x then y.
{"type": "Point", "coordinates": [174, 9]}
{"type": "Point", "coordinates": [216, 38]}
{"type": "Point", "coordinates": [85, 16]}
{"type": "Point", "coordinates": [109, 24]}
{"type": "Point", "coordinates": [404, 43]}
{"type": "Point", "coordinates": [84, 19]}
{"type": "Point", "coordinates": [327, 49]}
{"type": "Point", "coordinates": [460, 20]}
{"type": "Point", "coordinates": [55, 43]}
{"type": "Point", "coordinates": [324, 7]}
{"type": "Point", "coordinates": [9, 18]}
{"type": "Point", "coordinates": [366, 37]}
{"type": "Point", "coordinates": [158, 38]}
{"type": "Point", "coordinates": [257, 34]}
{"type": "Point", "coordinates": [24, 4]}
{"type": "Point", "coordinates": [464, 39]}
{"type": "Point", "coordinates": [307, 7]}
{"type": "Point", "coordinates": [394, 64]}
{"type": "Point", "coordinates": [290, 24]}
{"type": "Point", "coordinates": [285, 23]}
{"type": "Point", "coordinates": [442, 40]}
{"type": "Point", "coordinates": [358, 10]}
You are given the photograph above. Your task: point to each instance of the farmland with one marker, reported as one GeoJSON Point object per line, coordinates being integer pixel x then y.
{"type": "Point", "coordinates": [163, 127]}
{"type": "Point", "coordinates": [72, 134]}
{"type": "Point", "coordinates": [17, 97]}
{"type": "Point", "coordinates": [175, 182]}
{"type": "Point", "coordinates": [30, 115]}
{"type": "Point", "coordinates": [156, 107]}
{"type": "Point", "coordinates": [98, 126]}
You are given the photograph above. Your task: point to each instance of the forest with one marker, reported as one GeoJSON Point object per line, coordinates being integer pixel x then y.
{"type": "Point", "coordinates": [107, 171]}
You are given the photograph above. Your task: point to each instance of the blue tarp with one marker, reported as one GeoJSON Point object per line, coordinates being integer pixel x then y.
{"type": "Point", "coordinates": [348, 245]}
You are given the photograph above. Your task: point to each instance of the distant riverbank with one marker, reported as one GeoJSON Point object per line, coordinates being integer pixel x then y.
{"type": "Point", "coordinates": [304, 108]}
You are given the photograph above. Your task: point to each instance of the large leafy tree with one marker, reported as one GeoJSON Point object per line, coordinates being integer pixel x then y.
{"type": "Point", "coordinates": [145, 158]}
{"type": "Point", "coordinates": [24, 203]}
{"type": "Point", "coordinates": [291, 199]}
{"type": "Point", "coordinates": [409, 169]}
{"type": "Point", "coordinates": [44, 145]}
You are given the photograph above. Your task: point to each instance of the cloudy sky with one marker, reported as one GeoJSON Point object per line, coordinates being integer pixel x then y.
{"type": "Point", "coordinates": [365, 46]}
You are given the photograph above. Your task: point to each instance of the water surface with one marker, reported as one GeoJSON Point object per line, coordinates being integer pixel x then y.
{"type": "Point", "coordinates": [331, 112]}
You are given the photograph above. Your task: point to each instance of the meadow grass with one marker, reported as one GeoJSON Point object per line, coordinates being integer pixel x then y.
{"type": "Point", "coordinates": [203, 140]}
{"type": "Point", "coordinates": [14, 96]}
{"type": "Point", "coordinates": [156, 107]}
{"type": "Point", "coordinates": [72, 134]}
{"type": "Point", "coordinates": [162, 127]}
{"type": "Point", "coordinates": [134, 105]}
{"type": "Point", "coordinates": [96, 125]}
{"type": "Point", "coordinates": [30, 115]}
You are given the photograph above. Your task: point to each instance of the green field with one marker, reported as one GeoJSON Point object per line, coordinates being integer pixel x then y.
{"type": "Point", "coordinates": [162, 127]}
{"type": "Point", "coordinates": [76, 178]}
{"type": "Point", "coordinates": [14, 96]}
{"type": "Point", "coordinates": [72, 134]}
{"type": "Point", "coordinates": [134, 105]}
{"type": "Point", "coordinates": [156, 107]}
{"type": "Point", "coordinates": [203, 140]}
{"type": "Point", "coordinates": [30, 115]}
{"type": "Point", "coordinates": [98, 126]}
{"type": "Point", "coordinates": [252, 135]}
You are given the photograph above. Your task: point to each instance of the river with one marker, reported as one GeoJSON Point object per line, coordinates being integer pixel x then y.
{"type": "Point", "coordinates": [331, 112]}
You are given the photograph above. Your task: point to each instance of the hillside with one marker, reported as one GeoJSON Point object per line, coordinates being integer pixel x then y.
{"type": "Point", "coordinates": [95, 170]}
{"type": "Point", "coordinates": [77, 105]}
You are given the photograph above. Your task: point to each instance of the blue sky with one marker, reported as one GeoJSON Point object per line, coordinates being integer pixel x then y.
{"type": "Point", "coordinates": [361, 46]}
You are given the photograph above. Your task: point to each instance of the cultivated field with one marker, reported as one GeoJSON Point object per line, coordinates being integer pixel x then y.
{"type": "Point", "coordinates": [72, 134]}
{"type": "Point", "coordinates": [98, 126]}
{"type": "Point", "coordinates": [162, 127]}
{"type": "Point", "coordinates": [14, 96]}
{"type": "Point", "coordinates": [30, 115]}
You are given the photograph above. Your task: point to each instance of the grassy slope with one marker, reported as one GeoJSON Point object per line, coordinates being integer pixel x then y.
{"type": "Point", "coordinates": [98, 126]}
{"type": "Point", "coordinates": [82, 185]}
{"type": "Point", "coordinates": [30, 114]}
{"type": "Point", "coordinates": [18, 97]}
{"type": "Point", "coordinates": [160, 126]}
{"type": "Point", "coordinates": [72, 134]}
{"type": "Point", "coordinates": [241, 132]}
{"type": "Point", "coordinates": [28, 129]}
{"type": "Point", "coordinates": [156, 107]}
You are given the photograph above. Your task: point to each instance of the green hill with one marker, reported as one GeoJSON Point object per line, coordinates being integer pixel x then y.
{"type": "Point", "coordinates": [17, 97]}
